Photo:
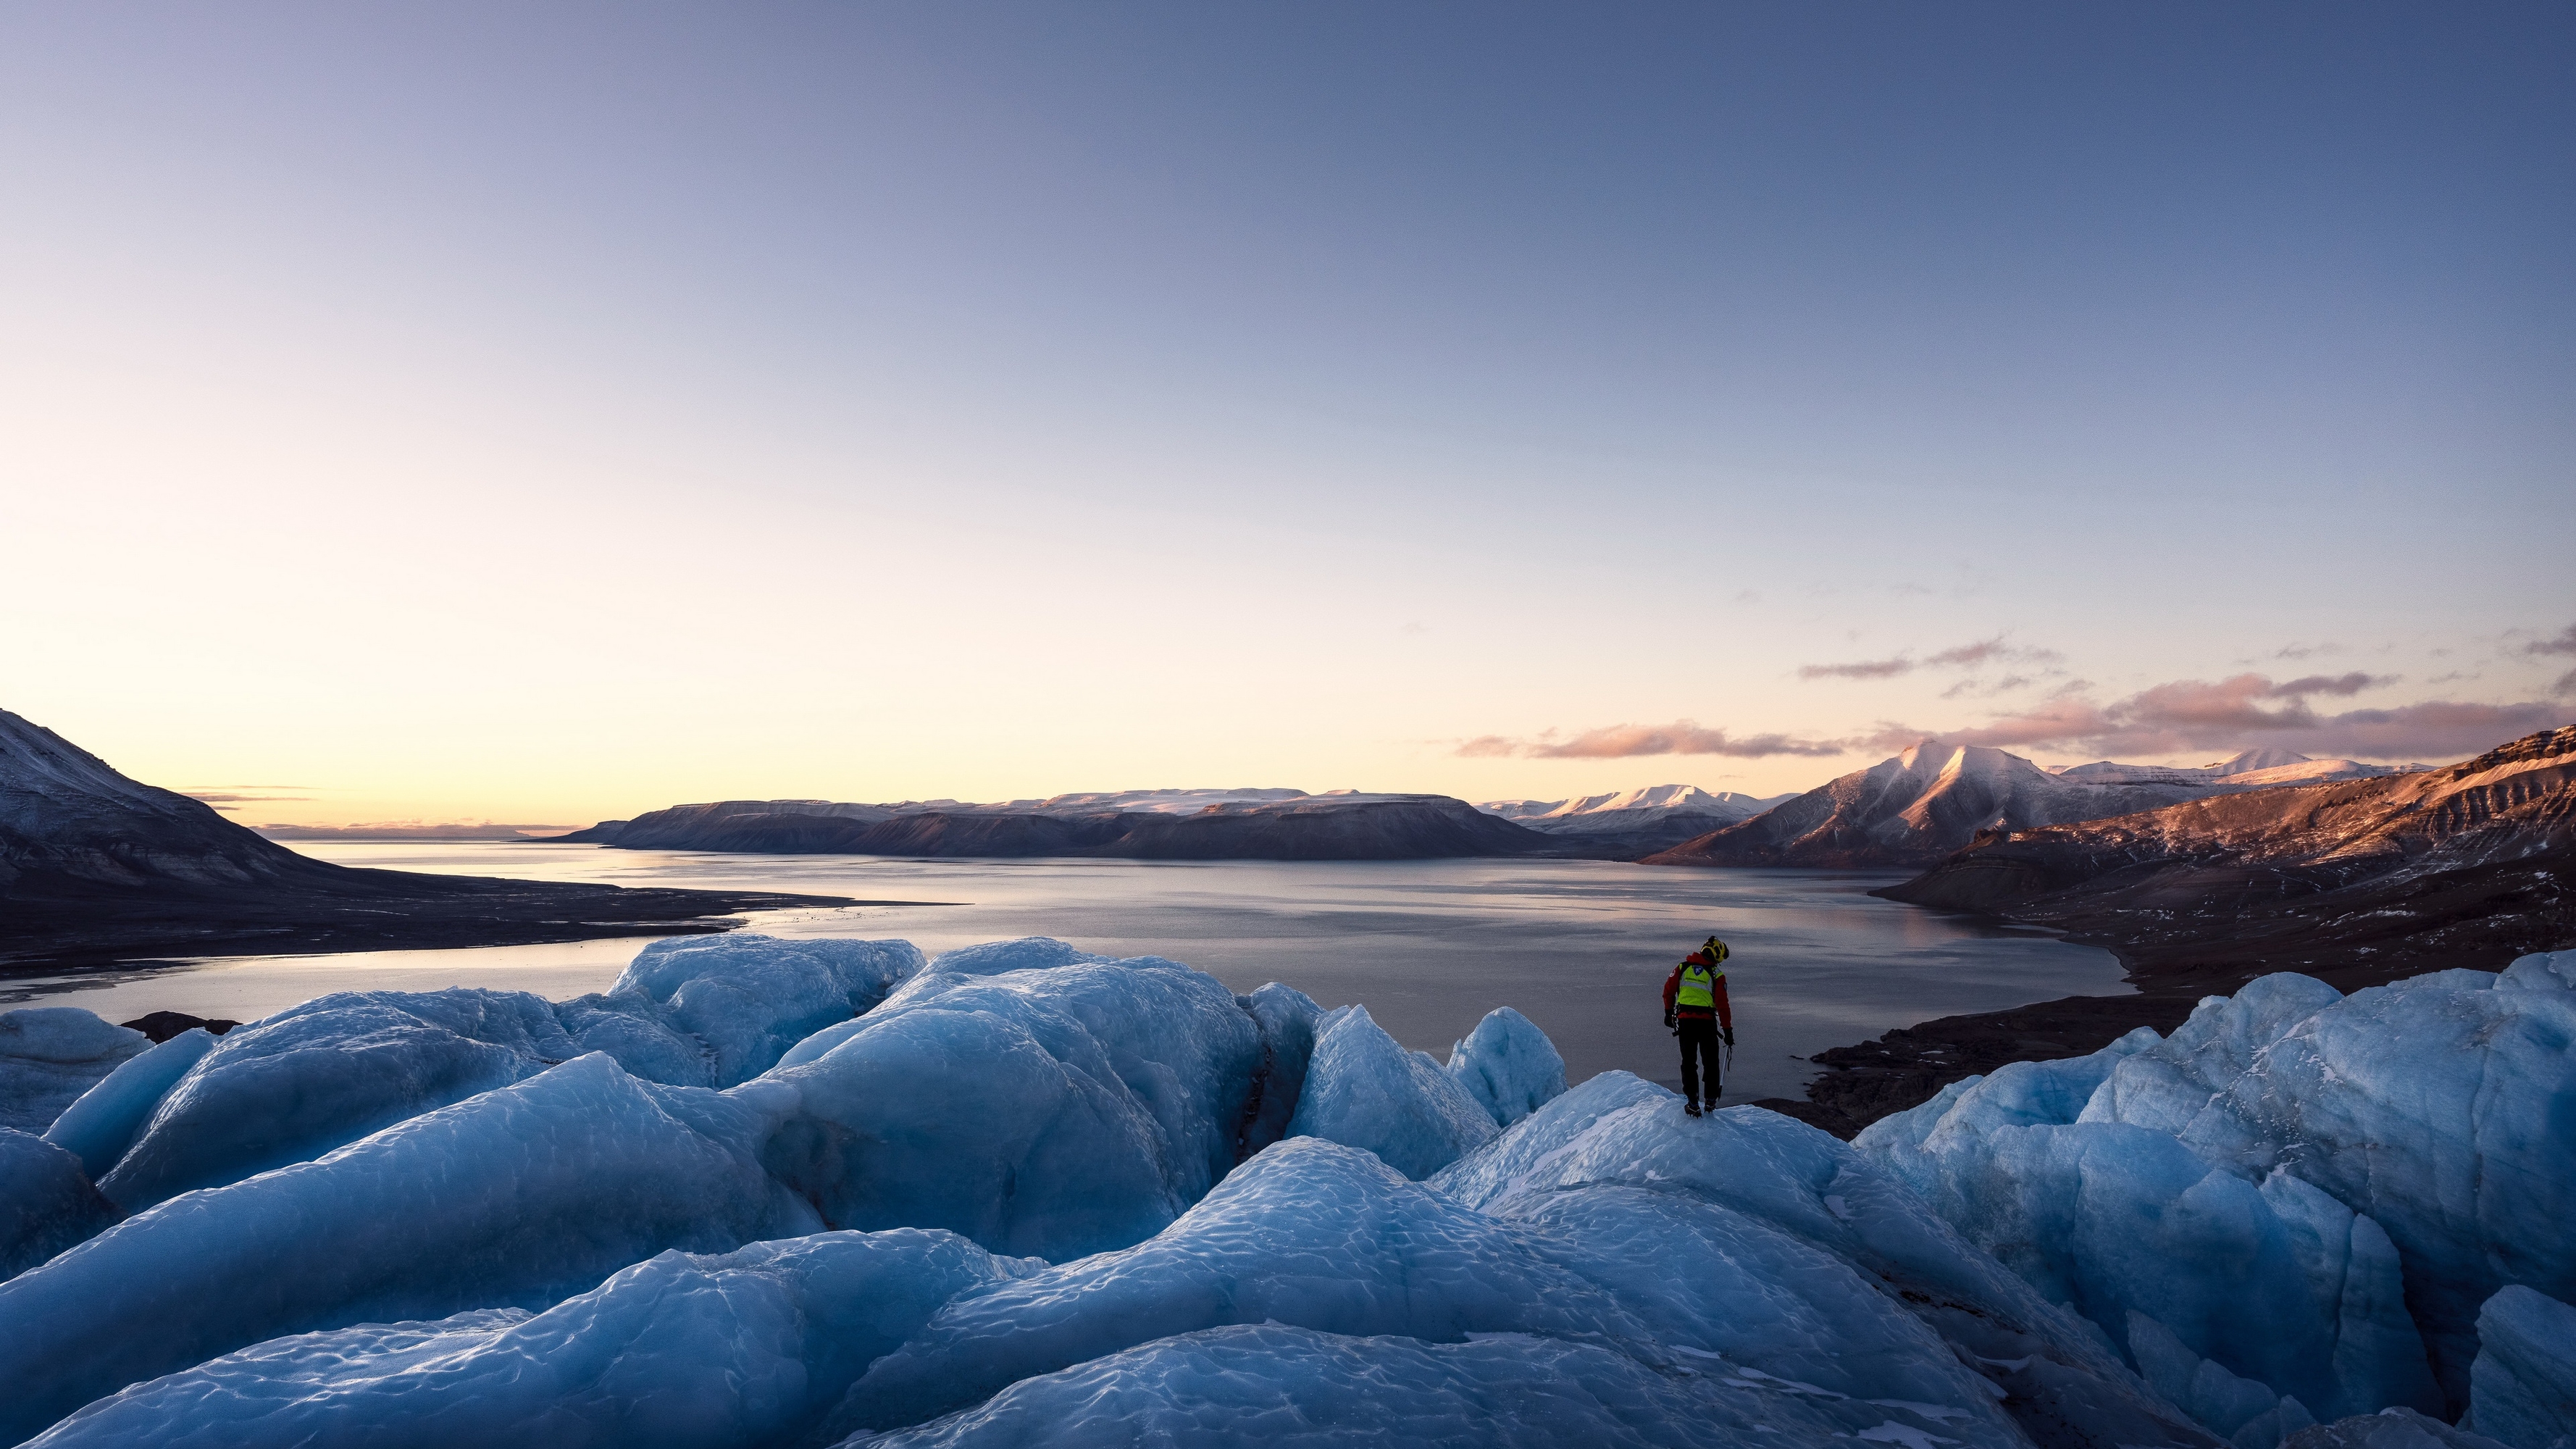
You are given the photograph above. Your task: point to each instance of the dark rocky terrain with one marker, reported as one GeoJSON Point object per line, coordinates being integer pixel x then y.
{"type": "Point", "coordinates": [1284, 826]}
{"type": "Point", "coordinates": [2357, 883]}
{"type": "Point", "coordinates": [96, 867]}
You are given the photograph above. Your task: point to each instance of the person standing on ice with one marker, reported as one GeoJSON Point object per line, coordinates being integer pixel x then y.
{"type": "Point", "coordinates": [1695, 1010]}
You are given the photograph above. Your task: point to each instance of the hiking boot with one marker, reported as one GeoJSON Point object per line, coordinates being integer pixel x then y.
{"type": "Point", "coordinates": [1691, 1107]}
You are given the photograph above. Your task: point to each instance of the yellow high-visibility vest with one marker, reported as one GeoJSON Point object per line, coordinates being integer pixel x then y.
{"type": "Point", "coordinates": [1698, 986]}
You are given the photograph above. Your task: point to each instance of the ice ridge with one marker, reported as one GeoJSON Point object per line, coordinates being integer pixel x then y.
{"type": "Point", "coordinates": [1023, 1194]}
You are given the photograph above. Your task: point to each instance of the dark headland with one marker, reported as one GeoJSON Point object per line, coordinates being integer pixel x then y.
{"type": "Point", "coordinates": [96, 867]}
{"type": "Point", "coordinates": [1130, 825]}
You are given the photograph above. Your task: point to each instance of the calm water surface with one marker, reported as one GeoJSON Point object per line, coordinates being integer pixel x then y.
{"type": "Point", "coordinates": [1581, 947]}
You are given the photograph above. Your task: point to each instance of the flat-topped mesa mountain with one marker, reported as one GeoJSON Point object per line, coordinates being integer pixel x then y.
{"type": "Point", "coordinates": [2355, 881]}
{"type": "Point", "coordinates": [1133, 824]}
{"type": "Point", "coordinates": [97, 866]}
{"type": "Point", "coordinates": [1629, 823]}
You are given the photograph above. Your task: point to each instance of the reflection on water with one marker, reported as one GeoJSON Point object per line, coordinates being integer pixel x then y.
{"type": "Point", "coordinates": [1580, 946]}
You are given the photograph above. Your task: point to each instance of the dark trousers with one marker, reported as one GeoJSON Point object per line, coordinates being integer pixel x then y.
{"type": "Point", "coordinates": [1699, 1044]}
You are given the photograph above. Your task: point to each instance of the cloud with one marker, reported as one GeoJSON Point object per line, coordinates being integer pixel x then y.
{"type": "Point", "coordinates": [2251, 709]}
{"type": "Point", "coordinates": [2565, 643]}
{"type": "Point", "coordinates": [2303, 651]}
{"type": "Point", "coordinates": [1626, 741]}
{"type": "Point", "coordinates": [1979, 688]}
{"type": "Point", "coordinates": [2340, 684]}
{"type": "Point", "coordinates": [1994, 649]}
{"type": "Point", "coordinates": [1866, 669]}
{"type": "Point", "coordinates": [1964, 656]}
{"type": "Point", "coordinates": [2566, 684]}
{"type": "Point", "coordinates": [223, 800]}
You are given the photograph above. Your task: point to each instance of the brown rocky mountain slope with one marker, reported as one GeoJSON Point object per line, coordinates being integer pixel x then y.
{"type": "Point", "coordinates": [2357, 882]}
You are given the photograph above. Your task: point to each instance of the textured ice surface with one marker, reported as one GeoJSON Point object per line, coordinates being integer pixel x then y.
{"type": "Point", "coordinates": [1764, 1171]}
{"type": "Point", "coordinates": [324, 1074]}
{"type": "Point", "coordinates": [1320, 1237]}
{"type": "Point", "coordinates": [1272, 1385]}
{"type": "Point", "coordinates": [1246, 1218]}
{"type": "Point", "coordinates": [750, 998]}
{"type": "Point", "coordinates": [750, 1347]}
{"type": "Point", "coordinates": [1287, 1019]}
{"type": "Point", "coordinates": [49, 1055]}
{"type": "Point", "coordinates": [2522, 1387]}
{"type": "Point", "coordinates": [1364, 1090]}
{"type": "Point", "coordinates": [518, 1197]}
{"type": "Point", "coordinates": [1038, 1101]}
{"type": "Point", "coordinates": [694, 1011]}
{"type": "Point", "coordinates": [1508, 1065]}
{"type": "Point", "coordinates": [46, 1204]}
{"type": "Point", "coordinates": [2387, 1429]}
{"type": "Point", "coordinates": [2349, 1178]}
{"type": "Point", "coordinates": [2540, 971]}
{"type": "Point", "coordinates": [105, 1121]}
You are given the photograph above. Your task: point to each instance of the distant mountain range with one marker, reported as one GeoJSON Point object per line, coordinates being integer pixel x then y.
{"type": "Point", "coordinates": [1933, 799]}
{"type": "Point", "coordinates": [2465, 865]}
{"type": "Point", "coordinates": [1266, 824]}
{"type": "Point", "coordinates": [1630, 823]}
{"type": "Point", "coordinates": [96, 866]}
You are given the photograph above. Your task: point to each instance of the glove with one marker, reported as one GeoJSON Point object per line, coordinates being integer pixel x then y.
{"type": "Point", "coordinates": [1671, 1025]}
{"type": "Point", "coordinates": [1730, 1036]}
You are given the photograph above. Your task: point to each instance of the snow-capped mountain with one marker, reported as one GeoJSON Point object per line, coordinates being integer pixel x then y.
{"type": "Point", "coordinates": [2248, 770]}
{"type": "Point", "coordinates": [94, 865]}
{"type": "Point", "coordinates": [69, 823]}
{"type": "Point", "coordinates": [1667, 799]}
{"type": "Point", "coordinates": [2462, 864]}
{"type": "Point", "coordinates": [1248, 824]}
{"type": "Point", "coordinates": [1633, 822]}
{"type": "Point", "coordinates": [1920, 806]}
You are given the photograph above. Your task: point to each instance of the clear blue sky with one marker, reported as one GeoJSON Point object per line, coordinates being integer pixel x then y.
{"type": "Point", "coordinates": [552, 412]}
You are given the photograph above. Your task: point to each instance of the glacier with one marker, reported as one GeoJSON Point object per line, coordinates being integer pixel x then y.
{"type": "Point", "coordinates": [2352, 1181]}
{"type": "Point", "coordinates": [50, 1055]}
{"type": "Point", "coordinates": [823, 1193]}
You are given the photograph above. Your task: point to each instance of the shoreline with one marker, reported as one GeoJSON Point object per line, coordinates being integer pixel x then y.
{"type": "Point", "coordinates": [1906, 1067]}
{"type": "Point", "coordinates": [52, 936]}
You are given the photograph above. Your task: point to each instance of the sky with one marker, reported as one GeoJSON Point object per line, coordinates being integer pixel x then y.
{"type": "Point", "coordinates": [540, 414]}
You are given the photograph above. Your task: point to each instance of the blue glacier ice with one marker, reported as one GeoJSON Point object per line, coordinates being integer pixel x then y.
{"type": "Point", "coordinates": [49, 1055]}
{"type": "Point", "coordinates": [1038, 1101]}
{"type": "Point", "coordinates": [105, 1120]}
{"type": "Point", "coordinates": [695, 1011]}
{"type": "Point", "coordinates": [46, 1202]}
{"type": "Point", "coordinates": [1508, 1065]}
{"type": "Point", "coordinates": [1288, 1020]}
{"type": "Point", "coordinates": [325, 1074]}
{"type": "Point", "coordinates": [2522, 1385]}
{"type": "Point", "coordinates": [517, 1197]}
{"type": "Point", "coordinates": [1754, 1178]}
{"type": "Point", "coordinates": [747, 1347]}
{"type": "Point", "coordinates": [802, 1193]}
{"type": "Point", "coordinates": [2388, 1429]}
{"type": "Point", "coordinates": [749, 998]}
{"type": "Point", "coordinates": [1299, 1389]}
{"type": "Point", "coordinates": [1364, 1090]}
{"type": "Point", "coordinates": [2349, 1178]}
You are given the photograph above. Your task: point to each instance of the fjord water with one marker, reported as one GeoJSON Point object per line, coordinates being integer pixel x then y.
{"type": "Point", "coordinates": [1581, 947]}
